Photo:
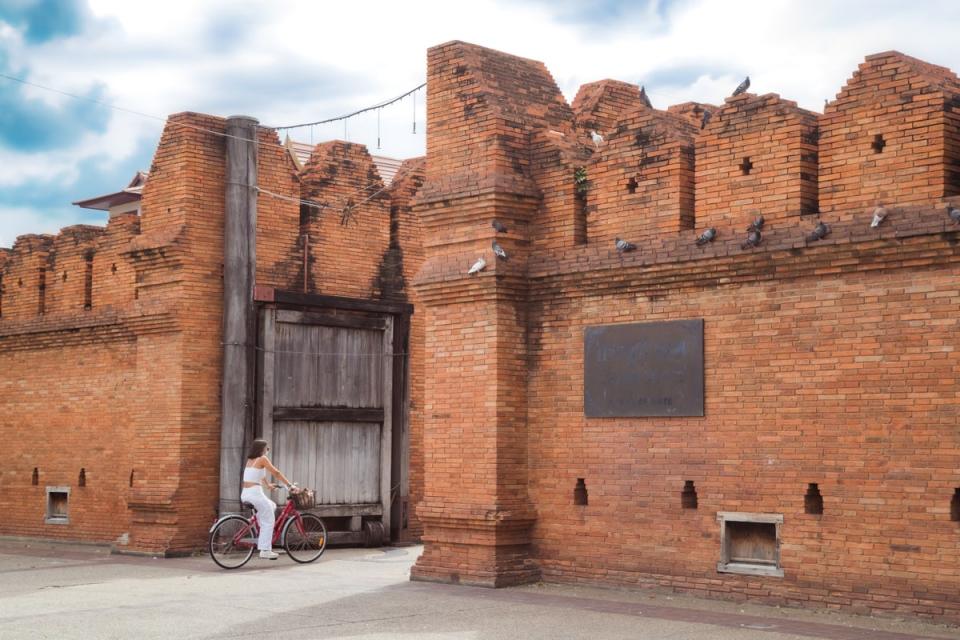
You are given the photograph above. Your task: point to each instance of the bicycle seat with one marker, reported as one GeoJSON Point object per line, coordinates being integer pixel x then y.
{"type": "Point", "coordinates": [246, 505]}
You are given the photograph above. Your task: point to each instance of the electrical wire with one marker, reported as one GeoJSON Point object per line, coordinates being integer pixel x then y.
{"type": "Point", "coordinates": [381, 105]}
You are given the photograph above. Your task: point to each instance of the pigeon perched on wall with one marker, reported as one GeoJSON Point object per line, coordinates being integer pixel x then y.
{"type": "Point", "coordinates": [742, 87]}
{"type": "Point", "coordinates": [623, 246]}
{"type": "Point", "coordinates": [879, 215]}
{"type": "Point", "coordinates": [596, 137]}
{"type": "Point", "coordinates": [954, 214]}
{"type": "Point", "coordinates": [753, 240]}
{"type": "Point", "coordinates": [477, 267]}
{"type": "Point", "coordinates": [707, 236]}
{"type": "Point", "coordinates": [707, 114]}
{"type": "Point", "coordinates": [644, 99]}
{"type": "Point", "coordinates": [757, 224]}
{"type": "Point", "coordinates": [498, 251]}
{"type": "Point", "coordinates": [819, 232]}
{"type": "Point", "coordinates": [499, 226]}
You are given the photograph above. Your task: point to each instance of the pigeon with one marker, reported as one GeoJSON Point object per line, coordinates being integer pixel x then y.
{"type": "Point", "coordinates": [705, 119]}
{"type": "Point", "coordinates": [707, 236]}
{"type": "Point", "coordinates": [879, 215]}
{"type": "Point", "coordinates": [644, 99]}
{"type": "Point", "coordinates": [478, 266]}
{"type": "Point", "coordinates": [596, 137]}
{"type": "Point", "coordinates": [498, 251]}
{"type": "Point", "coordinates": [499, 226]}
{"type": "Point", "coordinates": [954, 214]}
{"type": "Point", "coordinates": [753, 239]}
{"type": "Point", "coordinates": [742, 87]}
{"type": "Point", "coordinates": [756, 225]}
{"type": "Point", "coordinates": [819, 232]}
{"type": "Point", "coordinates": [623, 246]}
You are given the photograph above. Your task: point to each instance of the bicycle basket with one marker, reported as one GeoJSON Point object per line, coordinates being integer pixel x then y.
{"type": "Point", "coordinates": [303, 498]}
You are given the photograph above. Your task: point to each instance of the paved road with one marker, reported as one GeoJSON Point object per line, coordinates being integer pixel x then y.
{"type": "Point", "coordinates": [71, 592]}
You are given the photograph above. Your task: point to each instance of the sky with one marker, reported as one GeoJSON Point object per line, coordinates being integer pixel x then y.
{"type": "Point", "coordinates": [291, 61]}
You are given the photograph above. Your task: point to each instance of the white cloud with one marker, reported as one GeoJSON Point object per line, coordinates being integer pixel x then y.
{"type": "Point", "coordinates": [292, 61]}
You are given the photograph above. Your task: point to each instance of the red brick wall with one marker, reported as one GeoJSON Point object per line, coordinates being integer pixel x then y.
{"type": "Point", "coordinates": [915, 108]}
{"type": "Point", "coordinates": [641, 181]}
{"type": "Point", "coordinates": [756, 156]}
{"type": "Point", "coordinates": [598, 106]}
{"type": "Point", "coordinates": [845, 380]}
{"type": "Point", "coordinates": [829, 362]}
{"type": "Point", "coordinates": [129, 388]}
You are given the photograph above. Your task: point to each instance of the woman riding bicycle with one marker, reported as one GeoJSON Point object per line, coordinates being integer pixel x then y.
{"type": "Point", "coordinates": [254, 479]}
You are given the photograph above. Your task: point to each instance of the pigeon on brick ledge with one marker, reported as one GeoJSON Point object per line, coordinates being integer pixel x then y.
{"type": "Point", "coordinates": [623, 246]}
{"type": "Point", "coordinates": [742, 87]}
{"type": "Point", "coordinates": [879, 215]}
{"type": "Point", "coordinates": [498, 251]}
{"type": "Point", "coordinates": [707, 236]}
{"type": "Point", "coordinates": [477, 267]}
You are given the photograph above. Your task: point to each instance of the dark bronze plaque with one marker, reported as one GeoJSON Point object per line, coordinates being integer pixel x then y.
{"type": "Point", "coordinates": [643, 369]}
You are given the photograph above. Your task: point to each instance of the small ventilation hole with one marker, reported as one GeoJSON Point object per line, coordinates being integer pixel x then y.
{"type": "Point", "coordinates": [580, 493]}
{"type": "Point", "coordinates": [813, 501]}
{"type": "Point", "coordinates": [878, 143]}
{"type": "Point", "coordinates": [632, 185]}
{"type": "Point", "coordinates": [131, 477]}
{"type": "Point", "coordinates": [955, 505]}
{"type": "Point", "coordinates": [688, 497]}
{"type": "Point", "coordinates": [113, 268]}
{"type": "Point", "coordinates": [36, 477]}
{"type": "Point", "coordinates": [64, 276]}
{"type": "Point", "coordinates": [746, 166]}
{"type": "Point", "coordinates": [82, 480]}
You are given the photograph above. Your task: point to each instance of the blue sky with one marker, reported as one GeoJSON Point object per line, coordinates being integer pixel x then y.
{"type": "Point", "coordinates": [289, 61]}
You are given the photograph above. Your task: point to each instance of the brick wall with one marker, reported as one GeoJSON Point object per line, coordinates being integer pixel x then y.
{"type": "Point", "coordinates": [891, 136]}
{"type": "Point", "coordinates": [826, 361]}
{"type": "Point", "coordinates": [641, 181]}
{"type": "Point", "coordinates": [120, 373]}
{"type": "Point", "coordinates": [756, 156]}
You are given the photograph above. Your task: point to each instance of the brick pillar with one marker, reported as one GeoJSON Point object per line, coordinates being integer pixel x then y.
{"type": "Point", "coordinates": [483, 108]}
{"type": "Point", "coordinates": [476, 512]}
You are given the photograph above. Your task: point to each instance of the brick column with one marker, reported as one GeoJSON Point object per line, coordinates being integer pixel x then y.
{"type": "Point", "coordinates": [483, 108]}
{"type": "Point", "coordinates": [476, 513]}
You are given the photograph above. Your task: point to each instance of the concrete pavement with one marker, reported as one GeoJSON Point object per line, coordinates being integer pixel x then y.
{"type": "Point", "coordinates": [64, 592]}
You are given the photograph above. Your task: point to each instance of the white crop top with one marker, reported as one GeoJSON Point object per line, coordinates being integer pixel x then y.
{"type": "Point", "coordinates": [252, 474]}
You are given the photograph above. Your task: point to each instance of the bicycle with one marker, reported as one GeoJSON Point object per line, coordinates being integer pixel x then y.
{"type": "Point", "coordinates": [233, 538]}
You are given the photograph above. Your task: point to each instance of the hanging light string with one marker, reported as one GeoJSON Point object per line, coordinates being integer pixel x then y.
{"type": "Point", "coordinates": [385, 103]}
{"type": "Point", "coordinates": [194, 127]}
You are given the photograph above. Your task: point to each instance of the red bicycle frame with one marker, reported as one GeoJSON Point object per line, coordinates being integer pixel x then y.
{"type": "Point", "coordinates": [289, 511]}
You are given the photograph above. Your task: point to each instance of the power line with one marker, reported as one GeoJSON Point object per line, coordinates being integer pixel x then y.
{"type": "Point", "coordinates": [150, 116]}
{"type": "Point", "coordinates": [381, 105]}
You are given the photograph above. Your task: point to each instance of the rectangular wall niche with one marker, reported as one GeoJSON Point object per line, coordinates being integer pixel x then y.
{"type": "Point", "coordinates": [643, 369]}
{"type": "Point", "coordinates": [58, 499]}
{"type": "Point", "coordinates": [750, 543]}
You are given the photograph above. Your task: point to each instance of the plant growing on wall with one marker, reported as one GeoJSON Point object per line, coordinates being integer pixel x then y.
{"type": "Point", "coordinates": [580, 183]}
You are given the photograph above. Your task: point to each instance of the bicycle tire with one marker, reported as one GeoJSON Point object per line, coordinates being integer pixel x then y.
{"type": "Point", "coordinates": [308, 545]}
{"type": "Point", "coordinates": [221, 544]}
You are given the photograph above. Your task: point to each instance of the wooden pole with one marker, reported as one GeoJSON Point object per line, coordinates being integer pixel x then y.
{"type": "Point", "coordinates": [239, 319]}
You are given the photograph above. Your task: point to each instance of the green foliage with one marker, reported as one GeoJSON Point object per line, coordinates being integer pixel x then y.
{"type": "Point", "coordinates": [580, 183]}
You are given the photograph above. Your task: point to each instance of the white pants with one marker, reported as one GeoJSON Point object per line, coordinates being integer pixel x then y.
{"type": "Point", "coordinates": [266, 514]}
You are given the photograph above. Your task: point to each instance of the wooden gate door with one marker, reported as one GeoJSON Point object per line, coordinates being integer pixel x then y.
{"type": "Point", "coordinates": [325, 406]}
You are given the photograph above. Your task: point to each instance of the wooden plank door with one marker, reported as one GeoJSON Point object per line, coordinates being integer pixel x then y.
{"type": "Point", "coordinates": [326, 405]}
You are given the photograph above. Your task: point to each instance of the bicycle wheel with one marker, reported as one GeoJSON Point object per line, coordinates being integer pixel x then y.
{"type": "Point", "coordinates": [232, 542]}
{"type": "Point", "coordinates": [305, 538]}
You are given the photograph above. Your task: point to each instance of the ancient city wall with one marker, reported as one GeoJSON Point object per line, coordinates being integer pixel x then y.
{"type": "Point", "coordinates": [827, 361]}
{"type": "Point", "coordinates": [110, 338]}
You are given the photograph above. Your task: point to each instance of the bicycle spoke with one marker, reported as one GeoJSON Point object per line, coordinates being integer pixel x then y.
{"type": "Point", "coordinates": [305, 538]}
{"type": "Point", "coordinates": [232, 542]}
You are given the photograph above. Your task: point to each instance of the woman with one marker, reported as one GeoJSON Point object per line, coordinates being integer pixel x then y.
{"type": "Point", "coordinates": [254, 479]}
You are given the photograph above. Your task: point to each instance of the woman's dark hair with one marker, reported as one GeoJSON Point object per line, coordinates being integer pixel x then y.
{"type": "Point", "coordinates": [257, 449]}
